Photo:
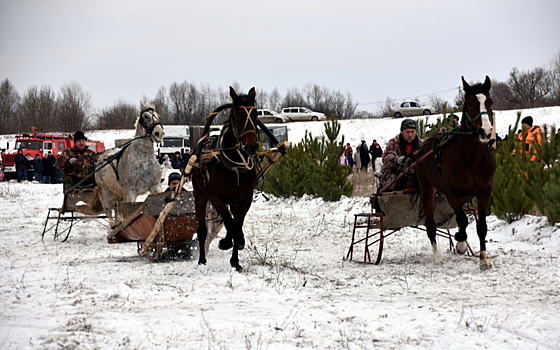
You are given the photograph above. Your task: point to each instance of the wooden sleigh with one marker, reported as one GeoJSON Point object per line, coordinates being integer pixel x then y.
{"type": "Point", "coordinates": [175, 236]}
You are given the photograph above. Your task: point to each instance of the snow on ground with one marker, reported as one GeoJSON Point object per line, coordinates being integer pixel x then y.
{"type": "Point", "coordinates": [296, 290]}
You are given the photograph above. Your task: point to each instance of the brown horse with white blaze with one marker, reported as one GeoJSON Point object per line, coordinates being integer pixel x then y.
{"type": "Point", "coordinates": [461, 169]}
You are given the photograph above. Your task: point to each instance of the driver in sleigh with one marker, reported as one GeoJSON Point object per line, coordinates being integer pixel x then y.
{"type": "Point", "coordinates": [397, 151]}
{"type": "Point", "coordinates": [77, 162]}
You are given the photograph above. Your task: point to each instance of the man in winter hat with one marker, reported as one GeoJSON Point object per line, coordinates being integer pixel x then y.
{"type": "Point", "coordinates": [77, 162]}
{"type": "Point", "coordinates": [397, 151]}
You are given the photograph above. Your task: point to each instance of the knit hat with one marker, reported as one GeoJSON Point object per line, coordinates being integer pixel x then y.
{"type": "Point", "coordinates": [172, 177]}
{"type": "Point", "coordinates": [79, 135]}
{"type": "Point", "coordinates": [408, 124]}
{"type": "Point", "coordinates": [527, 120]}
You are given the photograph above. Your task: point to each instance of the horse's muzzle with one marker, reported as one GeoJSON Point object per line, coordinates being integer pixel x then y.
{"type": "Point", "coordinates": [251, 150]}
{"type": "Point", "coordinates": [157, 134]}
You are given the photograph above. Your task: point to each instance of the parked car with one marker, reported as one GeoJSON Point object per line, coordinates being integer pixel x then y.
{"type": "Point", "coordinates": [411, 108]}
{"type": "Point", "coordinates": [270, 116]}
{"type": "Point", "coordinates": [302, 113]}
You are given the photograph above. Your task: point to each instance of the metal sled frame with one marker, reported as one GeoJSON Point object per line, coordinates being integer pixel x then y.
{"type": "Point", "coordinates": [58, 215]}
{"type": "Point", "coordinates": [377, 230]}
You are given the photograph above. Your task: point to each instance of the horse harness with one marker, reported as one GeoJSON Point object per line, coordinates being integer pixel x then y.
{"type": "Point", "coordinates": [247, 163]}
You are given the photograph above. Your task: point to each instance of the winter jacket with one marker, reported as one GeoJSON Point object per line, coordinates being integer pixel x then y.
{"type": "Point", "coordinates": [375, 151]}
{"type": "Point", "coordinates": [38, 166]}
{"type": "Point", "coordinates": [364, 155]}
{"type": "Point", "coordinates": [178, 163]}
{"type": "Point", "coordinates": [533, 137]}
{"type": "Point", "coordinates": [20, 161]}
{"type": "Point", "coordinates": [85, 164]}
{"type": "Point", "coordinates": [48, 165]}
{"type": "Point", "coordinates": [396, 147]}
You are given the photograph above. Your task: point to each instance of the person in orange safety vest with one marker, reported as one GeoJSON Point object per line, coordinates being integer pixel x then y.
{"type": "Point", "coordinates": [532, 135]}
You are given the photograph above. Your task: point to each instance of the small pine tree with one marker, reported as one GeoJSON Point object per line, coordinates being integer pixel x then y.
{"type": "Point", "coordinates": [540, 180]}
{"type": "Point", "coordinates": [508, 199]}
{"type": "Point", "coordinates": [311, 167]}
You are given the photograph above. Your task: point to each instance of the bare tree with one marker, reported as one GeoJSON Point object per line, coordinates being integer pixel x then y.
{"type": "Point", "coordinates": [121, 115]}
{"type": "Point", "coordinates": [9, 105]}
{"type": "Point", "coordinates": [161, 104]}
{"type": "Point", "coordinates": [530, 87]}
{"type": "Point", "coordinates": [38, 108]}
{"type": "Point", "coordinates": [555, 78]}
{"type": "Point", "coordinates": [73, 108]}
{"type": "Point", "coordinates": [383, 110]}
{"type": "Point", "coordinates": [274, 99]}
{"type": "Point", "coordinates": [436, 102]}
{"type": "Point", "coordinates": [502, 96]}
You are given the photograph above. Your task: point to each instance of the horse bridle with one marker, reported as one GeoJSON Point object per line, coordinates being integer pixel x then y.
{"type": "Point", "coordinates": [248, 110]}
{"type": "Point", "coordinates": [472, 121]}
{"type": "Point", "coordinates": [247, 162]}
{"type": "Point", "coordinates": [149, 127]}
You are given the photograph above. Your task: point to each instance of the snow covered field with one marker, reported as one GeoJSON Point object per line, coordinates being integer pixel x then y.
{"type": "Point", "coordinates": [296, 290]}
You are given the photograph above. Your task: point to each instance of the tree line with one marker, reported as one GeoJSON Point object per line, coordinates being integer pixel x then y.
{"type": "Point", "coordinates": [71, 108]}
{"type": "Point", "coordinates": [538, 87]}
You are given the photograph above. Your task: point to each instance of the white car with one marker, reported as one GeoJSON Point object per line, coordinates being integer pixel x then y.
{"type": "Point", "coordinates": [411, 108]}
{"type": "Point", "coordinates": [302, 113]}
{"type": "Point", "coordinates": [270, 116]}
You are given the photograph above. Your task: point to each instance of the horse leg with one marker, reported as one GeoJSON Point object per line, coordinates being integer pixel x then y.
{"type": "Point", "coordinates": [461, 235]}
{"type": "Point", "coordinates": [482, 228]}
{"type": "Point", "coordinates": [201, 229]}
{"type": "Point", "coordinates": [222, 209]}
{"type": "Point", "coordinates": [107, 205]}
{"type": "Point", "coordinates": [239, 237]}
{"type": "Point", "coordinates": [428, 201]}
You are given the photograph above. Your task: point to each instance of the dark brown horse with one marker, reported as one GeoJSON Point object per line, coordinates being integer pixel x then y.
{"type": "Point", "coordinates": [228, 181]}
{"type": "Point", "coordinates": [461, 169]}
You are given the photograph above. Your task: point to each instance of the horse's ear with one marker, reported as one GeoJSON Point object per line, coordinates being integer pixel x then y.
{"type": "Point", "coordinates": [466, 85]}
{"type": "Point", "coordinates": [252, 92]}
{"type": "Point", "coordinates": [487, 84]}
{"type": "Point", "coordinates": [232, 93]}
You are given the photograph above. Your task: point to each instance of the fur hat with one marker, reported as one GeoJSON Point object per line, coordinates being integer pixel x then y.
{"type": "Point", "coordinates": [172, 177]}
{"type": "Point", "coordinates": [527, 120]}
{"type": "Point", "coordinates": [79, 135]}
{"type": "Point", "coordinates": [408, 124]}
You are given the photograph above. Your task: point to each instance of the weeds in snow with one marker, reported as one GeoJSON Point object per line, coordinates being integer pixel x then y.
{"type": "Point", "coordinates": [480, 324]}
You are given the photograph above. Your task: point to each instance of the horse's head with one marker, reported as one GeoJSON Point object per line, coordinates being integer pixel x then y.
{"type": "Point", "coordinates": [243, 120]}
{"type": "Point", "coordinates": [148, 123]}
{"type": "Point", "coordinates": [477, 110]}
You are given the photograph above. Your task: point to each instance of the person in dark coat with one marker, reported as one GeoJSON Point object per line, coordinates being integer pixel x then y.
{"type": "Point", "coordinates": [37, 168]}
{"type": "Point", "coordinates": [178, 162]}
{"type": "Point", "coordinates": [20, 161]}
{"type": "Point", "coordinates": [375, 151]}
{"type": "Point", "coordinates": [364, 155]}
{"type": "Point", "coordinates": [48, 168]}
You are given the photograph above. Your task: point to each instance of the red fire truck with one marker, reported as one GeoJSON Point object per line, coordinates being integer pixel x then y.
{"type": "Point", "coordinates": [41, 143]}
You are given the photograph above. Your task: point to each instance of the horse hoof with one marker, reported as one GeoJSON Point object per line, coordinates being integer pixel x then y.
{"type": "Point", "coordinates": [461, 247]}
{"type": "Point", "coordinates": [202, 262]}
{"type": "Point", "coordinates": [225, 244]}
{"type": "Point", "coordinates": [484, 262]}
{"type": "Point", "coordinates": [237, 268]}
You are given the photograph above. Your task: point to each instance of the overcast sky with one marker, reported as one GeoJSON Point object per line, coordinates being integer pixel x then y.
{"type": "Point", "coordinates": [371, 49]}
